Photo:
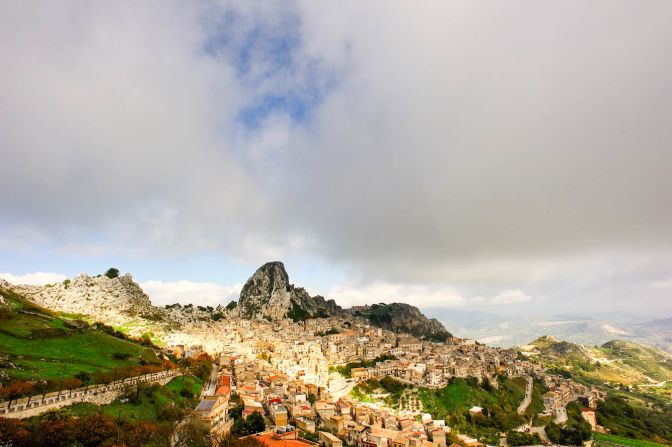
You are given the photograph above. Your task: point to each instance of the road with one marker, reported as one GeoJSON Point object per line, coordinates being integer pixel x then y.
{"type": "Point", "coordinates": [528, 396]}
{"type": "Point", "coordinates": [211, 387]}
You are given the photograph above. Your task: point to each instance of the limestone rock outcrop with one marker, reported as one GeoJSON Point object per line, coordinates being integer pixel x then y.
{"type": "Point", "coordinates": [113, 301]}
{"type": "Point", "coordinates": [269, 295]}
{"type": "Point", "coordinates": [402, 317]}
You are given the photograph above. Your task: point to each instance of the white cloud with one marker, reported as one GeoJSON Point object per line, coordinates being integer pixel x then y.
{"type": "Point", "coordinates": [185, 292]}
{"type": "Point", "coordinates": [511, 297]}
{"type": "Point", "coordinates": [419, 296]}
{"type": "Point", "coordinates": [33, 279]}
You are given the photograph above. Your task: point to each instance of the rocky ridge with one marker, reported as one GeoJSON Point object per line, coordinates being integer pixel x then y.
{"type": "Point", "coordinates": [267, 294]}
{"type": "Point", "coordinates": [113, 301]}
{"type": "Point", "coordinates": [402, 317]}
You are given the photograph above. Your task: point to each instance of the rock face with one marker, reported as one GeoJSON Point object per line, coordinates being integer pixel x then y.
{"type": "Point", "coordinates": [109, 300]}
{"type": "Point", "coordinates": [3, 285]}
{"type": "Point", "coordinates": [402, 317]}
{"type": "Point", "coordinates": [269, 295]}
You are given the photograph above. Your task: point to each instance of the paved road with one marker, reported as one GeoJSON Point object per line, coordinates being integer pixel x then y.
{"type": "Point", "coordinates": [211, 387]}
{"type": "Point", "coordinates": [528, 396]}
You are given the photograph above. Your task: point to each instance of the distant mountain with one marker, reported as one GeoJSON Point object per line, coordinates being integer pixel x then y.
{"type": "Point", "coordinates": [616, 361]}
{"type": "Point", "coordinates": [595, 330]}
{"type": "Point", "coordinates": [267, 294]}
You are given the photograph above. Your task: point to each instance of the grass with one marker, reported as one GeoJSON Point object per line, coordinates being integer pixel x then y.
{"type": "Point", "coordinates": [606, 439]}
{"type": "Point", "coordinates": [42, 346]}
{"type": "Point", "coordinates": [460, 396]}
{"type": "Point", "coordinates": [537, 404]}
{"type": "Point", "coordinates": [453, 402]}
{"type": "Point", "coordinates": [456, 396]}
{"type": "Point", "coordinates": [151, 404]}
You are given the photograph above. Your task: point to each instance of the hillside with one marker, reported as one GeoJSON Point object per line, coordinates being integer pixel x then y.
{"type": "Point", "coordinates": [38, 344]}
{"type": "Point", "coordinates": [622, 362]}
{"type": "Point", "coordinates": [509, 331]}
{"type": "Point", "coordinates": [402, 317]}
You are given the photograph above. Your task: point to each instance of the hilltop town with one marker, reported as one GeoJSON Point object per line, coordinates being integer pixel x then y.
{"type": "Point", "coordinates": [274, 367]}
{"type": "Point", "coordinates": [370, 376]}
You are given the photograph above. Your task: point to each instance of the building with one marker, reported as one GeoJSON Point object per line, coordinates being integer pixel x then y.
{"type": "Point", "coordinates": [330, 440]}
{"type": "Point", "coordinates": [214, 411]}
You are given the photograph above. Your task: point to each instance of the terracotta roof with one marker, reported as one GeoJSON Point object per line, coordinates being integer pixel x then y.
{"type": "Point", "coordinates": [223, 390]}
{"type": "Point", "coordinates": [268, 440]}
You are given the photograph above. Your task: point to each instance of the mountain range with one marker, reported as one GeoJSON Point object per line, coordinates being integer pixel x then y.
{"type": "Point", "coordinates": [591, 330]}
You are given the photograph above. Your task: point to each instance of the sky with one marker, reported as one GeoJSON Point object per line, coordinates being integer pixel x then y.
{"type": "Point", "coordinates": [509, 157]}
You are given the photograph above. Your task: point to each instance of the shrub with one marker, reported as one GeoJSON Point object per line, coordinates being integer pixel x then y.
{"type": "Point", "coordinates": [519, 438]}
{"type": "Point", "coordinates": [112, 273]}
{"type": "Point", "coordinates": [231, 305]}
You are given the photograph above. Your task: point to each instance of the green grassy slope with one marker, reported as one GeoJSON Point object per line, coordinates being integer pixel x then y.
{"type": "Point", "coordinates": [41, 345]}
{"type": "Point", "coordinates": [499, 406]}
{"type": "Point", "coordinates": [151, 403]}
{"type": "Point", "coordinates": [606, 440]}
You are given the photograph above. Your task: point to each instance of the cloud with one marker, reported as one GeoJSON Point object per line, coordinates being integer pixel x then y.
{"type": "Point", "coordinates": [423, 150]}
{"type": "Point", "coordinates": [186, 292]}
{"type": "Point", "coordinates": [419, 296]}
{"type": "Point", "coordinates": [33, 279]}
{"type": "Point", "coordinates": [511, 297]}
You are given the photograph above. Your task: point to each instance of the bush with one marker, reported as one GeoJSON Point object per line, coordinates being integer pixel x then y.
{"type": "Point", "coordinates": [253, 424]}
{"type": "Point", "coordinates": [185, 392]}
{"type": "Point", "coordinates": [112, 273]}
{"type": "Point", "coordinates": [231, 305]}
{"type": "Point", "coordinates": [519, 438]}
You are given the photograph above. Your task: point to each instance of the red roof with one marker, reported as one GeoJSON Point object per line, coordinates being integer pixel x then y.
{"type": "Point", "coordinates": [269, 441]}
{"type": "Point", "coordinates": [222, 391]}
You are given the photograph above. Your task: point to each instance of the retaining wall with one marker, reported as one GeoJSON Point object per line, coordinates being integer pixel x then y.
{"type": "Point", "coordinates": [97, 394]}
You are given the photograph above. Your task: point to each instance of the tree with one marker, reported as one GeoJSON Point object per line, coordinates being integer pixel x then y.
{"type": "Point", "coordinates": [256, 423]}
{"type": "Point", "coordinates": [192, 433]}
{"type": "Point", "coordinates": [15, 431]}
{"type": "Point", "coordinates": [232, 441]}
{"type": "Point", "coordinates": [231, 305]}
{"type": "Point", "coordinates": [519, 438]}
{"type": "Point", "coordinates": [112, 272]}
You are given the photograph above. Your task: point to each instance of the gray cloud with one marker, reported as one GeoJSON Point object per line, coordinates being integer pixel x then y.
{"type": "Point", "coordinates": [467, 146]}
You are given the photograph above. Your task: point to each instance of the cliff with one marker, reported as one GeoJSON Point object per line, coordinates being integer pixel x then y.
{"type": "Point", "coordinates": [268, 294]}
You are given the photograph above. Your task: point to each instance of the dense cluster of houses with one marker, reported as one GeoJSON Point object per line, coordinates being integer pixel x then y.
{"type": "Point", "coordinates": [284, 371]}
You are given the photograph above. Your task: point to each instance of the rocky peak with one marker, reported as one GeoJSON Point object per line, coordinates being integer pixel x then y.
{"type": "Point", "coordinates": [268, 294]}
